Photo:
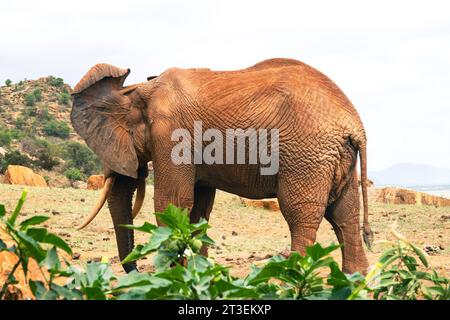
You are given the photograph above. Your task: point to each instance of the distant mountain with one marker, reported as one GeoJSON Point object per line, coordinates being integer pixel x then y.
{"type": "Point", "coordinates": [409, 175]}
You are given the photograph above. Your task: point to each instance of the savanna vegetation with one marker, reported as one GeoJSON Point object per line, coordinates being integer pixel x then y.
{"type": "Point", "coordinates": [183, 273]}
{"type": "Point", "coordinates": [35, 130]}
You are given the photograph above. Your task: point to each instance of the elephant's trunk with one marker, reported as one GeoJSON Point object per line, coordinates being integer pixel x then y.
{"type": "Point", "coordinates": [120, 201]}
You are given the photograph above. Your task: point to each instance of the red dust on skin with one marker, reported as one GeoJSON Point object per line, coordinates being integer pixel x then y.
{"type": "Point", "coordinates": [321, 137]}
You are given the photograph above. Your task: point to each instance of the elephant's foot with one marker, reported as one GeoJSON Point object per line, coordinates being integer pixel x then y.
{"type": "Point", "coordinates": [128, 267]}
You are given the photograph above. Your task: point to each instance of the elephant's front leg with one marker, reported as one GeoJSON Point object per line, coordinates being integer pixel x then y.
{"type": "Point", "coordinates": [203, 204]}
{"type": "Point", "coordinates": [174, 185]}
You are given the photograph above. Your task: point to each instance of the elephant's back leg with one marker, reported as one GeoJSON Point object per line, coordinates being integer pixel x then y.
{"type": "Point", "coordinates": [343, 214]}
{"type": "Point", "coordinates": [303, 199]}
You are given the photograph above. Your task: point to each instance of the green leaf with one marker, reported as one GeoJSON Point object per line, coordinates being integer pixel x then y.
{"type": "Point", "coordinates": [206, 240]}
{"type": "Point", "coordinates": [174, 218]}
{"type": "Point", "coordinates": [134, 254]}
{"type": "Point", "coordinates": [32, 221]}
{"type": "Point", "coordinates": [94, 293]}
{"type": "Point", "coordinates": [51, 238]}
{"type": "Point", "coordinates": [164, 259]}
{"type": "Point", "coordinates": [136, 279]}
{"type": "Point", "coordinates": [146, 227]}
{"type": "Point", "coordinates": [31, 245]}
{"type": "Point", "coordinates": [421, 254]}
{"type": "Point", "coordinates": [198, 263]}
{"type": "Point", "coordinates": [3, 246]}
{"type": "Point", "coordinates": [52, 262]}
{"type": "Point", "coordinates": [13, 218]}
{"type": "Point", "coordinates": [159, 235]}
{"type": "Point", "coordinates": [66, 293]}
{"type": "Point", "coordinates": [317, 251]}
{"type": "Point", "coordinates": [2, 210]}
{"type": "Point", "coordinates": [37, 234]}
{"type": "Point", "coordinates": [202, 225]}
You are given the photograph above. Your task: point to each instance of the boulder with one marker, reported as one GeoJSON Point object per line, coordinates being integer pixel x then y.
{"type": "Point", "coordinates": [268, 204]}
{"type": "Point", "coordinates": [8, 259]}
{"type": "Point", "coordinates": [95, 182]}
{"type": "Point", "coordinates": [23, 176]}
{"type": "Point", "coordinates": [392, 195]}
{"type": "Point", "coordinates": [77, 184]}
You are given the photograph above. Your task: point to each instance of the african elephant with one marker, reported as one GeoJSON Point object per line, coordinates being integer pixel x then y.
{"type": "Point", "coordinates": [319, 137]}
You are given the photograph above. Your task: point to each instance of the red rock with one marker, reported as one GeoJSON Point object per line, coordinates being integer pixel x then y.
{"type": "Point", "coordinates": [23, 176]}
{"type": "Point", "coordinates": [95, 182]}
{"type": "Point", "coordinates": [405, 196]}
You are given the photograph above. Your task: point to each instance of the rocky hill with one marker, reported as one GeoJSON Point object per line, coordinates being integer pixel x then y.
{"type": "Point", "coordinates": [35, 131]}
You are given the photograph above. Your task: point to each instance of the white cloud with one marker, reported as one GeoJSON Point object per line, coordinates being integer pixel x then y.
{"type": "Point", "coordinates": [390, 58]}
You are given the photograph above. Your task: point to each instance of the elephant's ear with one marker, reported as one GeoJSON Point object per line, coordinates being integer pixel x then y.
{"type": "Point", "coordinates": [99, 115]}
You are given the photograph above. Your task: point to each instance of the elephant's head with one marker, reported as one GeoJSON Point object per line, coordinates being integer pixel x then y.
{"type": "Point", "coordinates": [111, 119]}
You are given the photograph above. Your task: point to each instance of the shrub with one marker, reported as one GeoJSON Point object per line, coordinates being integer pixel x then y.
{"type": "Point", "coordinates": [74, 174]}
{"type": "Point", "coordinates": [45, 159]}
{"type": "Point", "coordinates": [5, 137]}
{"type": "Point", "coordinates": [30, 111]}
{"type": "Point", "coordinates": [64, 98]}
{"type": "Point", "coordinates": [30, 99]}
{"type": "Point", "coordinates": [37, 92]}
{"type": "Point", "coordinates": [20, 121]}
{"type": "Point", "coordinates": [56, 128]}
{"type": "Point", "coordinates": [8, 82]}
{"type": "Point", "coordinates": [43, 114]}
{"type": "Point", "coordinates": [15, 158]}
{"type": "Point", "coordinates": [56, 82]}
{"type": "Point", "coordinates": [80, 156]}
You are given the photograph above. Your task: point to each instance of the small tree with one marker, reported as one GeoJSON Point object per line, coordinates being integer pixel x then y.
{"type": "Point", "coordinates": [8, 82]}
{"type": "Point", "coordinates": [30, 99]}
{"type": "Point", "coordinates": [80, 156]}
{"type": "Point", "coordinates": [57, 129]}
{"type": "Point", "coordinates": [43, 114]}
{"type": "Point", "coordinates": [56, 82]}
{"type": "Point", "coordinates": [37, 92]}
{"type": "Point", "coordinates": [64, 98]}
{"type": "Point", "coordinates": [74, 174]}
{"type": "Point", "coordinates": [15, 158]}
{"type": "Point", "coordinates": [5, 137]}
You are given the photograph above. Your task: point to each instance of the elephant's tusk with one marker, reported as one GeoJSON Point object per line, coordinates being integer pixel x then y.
{"type": "Point", "coordinates": [140, 196]}
{"type": "Point", "coordinates": [106, 189]}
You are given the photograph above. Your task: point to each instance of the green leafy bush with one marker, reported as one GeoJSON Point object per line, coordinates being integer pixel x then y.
{"type": "Point", "coordinates": [56, 82]}
{"type": "Point", "coordinates": [30, 111]}
{"type": "Point", "coordinates": [30, 99]}
{"type": "Point", "coordinates": [64, 98]}
{"type": "Point", "coordinates": [20, 122]}
{"type": "Point", "coordinates": [43, 114]}
{"type": "Point", "coordinates": [56, 128]}
{"type": "Point", "coordinates": [182, 273]}
{"type": "Point", "coordinates": [80, 156]}
{"type": "Point", "coordinates": [37, 93]}
{"type": "Point", "coordinates": [74, 174]}
{"type": "Point", "coordinates": [8, 82]}
{"type": "Point", "coordinates": [14, 158]}
{"type": "Point", "coordinates": [5, 137]}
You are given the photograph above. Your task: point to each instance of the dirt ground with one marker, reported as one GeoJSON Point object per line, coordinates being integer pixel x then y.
{"type": "Point", "coordinates": [244, 236]}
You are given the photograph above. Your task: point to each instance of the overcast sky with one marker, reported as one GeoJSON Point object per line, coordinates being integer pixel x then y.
{"type": "Point", "coordinates": [391, 58]}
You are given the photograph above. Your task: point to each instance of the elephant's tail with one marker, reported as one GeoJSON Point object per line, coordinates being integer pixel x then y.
{"type": "Point", "coordinates": [367, 232]}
